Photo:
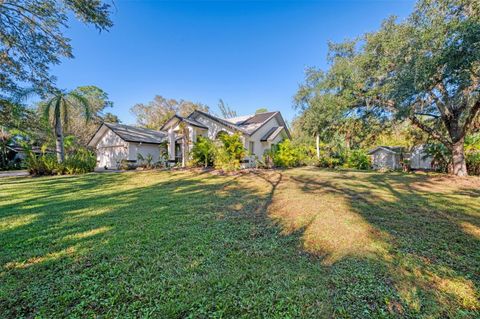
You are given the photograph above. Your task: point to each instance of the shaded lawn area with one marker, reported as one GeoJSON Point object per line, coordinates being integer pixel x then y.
{"type": "Point", "coordinates": [296, 243]}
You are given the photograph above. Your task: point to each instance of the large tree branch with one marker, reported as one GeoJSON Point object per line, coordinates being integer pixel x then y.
{"type": "Point", "coordinates": [429, 131]}
{"type": "Point", "coordinates": [439, 104]}
{"type": "Point", "coordinates": [428, 114]}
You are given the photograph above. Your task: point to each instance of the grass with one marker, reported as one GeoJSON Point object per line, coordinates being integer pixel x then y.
{"type": "Point", "coordinates": [295, 243]}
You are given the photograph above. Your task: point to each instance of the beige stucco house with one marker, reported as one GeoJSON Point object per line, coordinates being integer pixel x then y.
{"type": "Point", "coordinates": [116, 142]}
{"type": "Point", "coordinates": [259, 132]}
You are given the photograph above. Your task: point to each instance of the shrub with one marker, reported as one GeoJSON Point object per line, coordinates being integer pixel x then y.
{"type": "Point", "coordinates": [472, 153]}
{"type": "Point", "coordinates": [39, 164]}
{"type": "Point", "coordinates": [473, 163]}
{"type": "Point", "coordinates": [230, 152]}
{"type": "Point", "coordinates": [145, 162]}
{"type": "Point", "coordinates": [125, 164]}
{"type": "Point", "coordinates": [80, 161]}
{"type": "Point", "coordinates": [358, 159]}
{"type": "Point", "coordinates": [441, 156]}
{"type": "Point", "coordinates": [328, 161]}
{"type": "Point", "coordinates": [203, 151]}
{"type": "Point", "coordinates": [287, 155]}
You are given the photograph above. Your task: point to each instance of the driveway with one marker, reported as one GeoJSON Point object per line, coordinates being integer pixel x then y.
{"type": "Point", "coordinates": [20, 173]}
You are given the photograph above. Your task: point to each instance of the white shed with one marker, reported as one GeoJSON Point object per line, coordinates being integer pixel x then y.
{"type": "Point", "coordinates": [116, 142]}
{"type": "Point", "coordinates": [419, 159]}
{"type": "Point", "coordinates": [386, 157]}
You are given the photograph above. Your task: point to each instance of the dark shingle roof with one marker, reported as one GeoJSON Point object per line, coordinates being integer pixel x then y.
{"type": "Point", "coordinates": [193, 122]}
{"type": "Point", "coordinates": [137, 134]}
{"type": "Point", "coordinates": [219, 120]}
{"type": "Point", "coordinates": [258, 118]}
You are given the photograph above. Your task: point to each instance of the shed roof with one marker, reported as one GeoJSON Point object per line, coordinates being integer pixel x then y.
{"type": "Point", "coordinates": [388, 149]}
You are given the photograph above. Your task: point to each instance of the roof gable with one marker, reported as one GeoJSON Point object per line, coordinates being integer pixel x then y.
{"type": "Point", "coordinates": [224, 122]}
{"type": "Point", "coordinates": [388, 149]}
{"type": "Point", "coordinates": [272, 133]}
{"type": "Point", "coordinates": [248, 124]}
{"type": "Point", "coordinates": [130, 134]}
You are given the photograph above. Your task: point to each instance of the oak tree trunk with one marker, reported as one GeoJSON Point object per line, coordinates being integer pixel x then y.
{"type": "Point", "coordinates": [458, 156]}
{"type": "Point", "coordinates": [59, 139]}
{"type": "Point", "coordinates": [318, 145]}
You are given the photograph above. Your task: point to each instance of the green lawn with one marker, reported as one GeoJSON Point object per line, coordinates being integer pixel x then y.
{"type": "Point", "coordinates": [296, 243]}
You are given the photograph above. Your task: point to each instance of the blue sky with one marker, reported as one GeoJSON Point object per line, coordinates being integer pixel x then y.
{"type": "Point", "coordinates": [251, 54]}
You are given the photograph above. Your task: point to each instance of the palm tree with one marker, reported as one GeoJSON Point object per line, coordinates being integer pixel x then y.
{"type": "Point", "coordinates": [59, 104]}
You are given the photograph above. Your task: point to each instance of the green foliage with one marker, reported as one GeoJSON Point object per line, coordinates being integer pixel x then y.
{"type": "Point", "coordinates": [145, 161]}
{"type": "Point", "coordinates": [155, 113]}
{"type": "Point", "coordinates": [203, 151]}
{"type": "Point", "coordinates": [441, 156]}
{"type": "Point", "coordinates": [287, 155]}
{"type": "Point", "coordinates": [358, 159]}
{"type": "Point", "coordinates": [472, 150]}
{"type": "Point", "coordinates": [328, 161]}
{"type": "Point", "coordinates": [58, 107]}
{"type": "Point", "coordinates": [261, 110]}
{"type": "Point", "coordinates": [80, 161]}
{"type": "Point", "coordinates": [473, 163]}
{"type": "Point", "coordinates": [230, 152]}
{"type": "Point", "coordinates": [98, 102]}
{"type": "Point", "coordinates": [111, 118]}
{"type": "Point", "coordinates": [433, 82]}
{"type": "Point", "coordinates": [32, 39]}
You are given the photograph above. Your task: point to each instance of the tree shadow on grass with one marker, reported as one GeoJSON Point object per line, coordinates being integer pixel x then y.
{"type": "Point", "coordinates": [407, 239]}
{"type": "Point", "coordinates": [160, 244]}
{"type": "Point", "coordinates": [175, 244]}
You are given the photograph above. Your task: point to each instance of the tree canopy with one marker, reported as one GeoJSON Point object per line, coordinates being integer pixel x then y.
{"type": "Point", "coordinates": [155, 113]}
{"type": "Point", "coordinates": [261, 110]}
{"type": "Point", "coordinates": [32, 39]}
{"type": "Point", "coordinates": [57, 109]}
{"type": "Point", "coordinates": [98, 101]}
{"type": "Point", "coordinates": [425, 69]}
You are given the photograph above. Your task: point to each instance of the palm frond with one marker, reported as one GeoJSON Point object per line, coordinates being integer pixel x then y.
{"type": "Point", "coordinates": [23, 95]}
{"type": "Point", "coordinates": [48, 107]}
{"type": "Point", "coordinates": [82, 101]}
{"type": "Point", "coordinates": [57, 110]}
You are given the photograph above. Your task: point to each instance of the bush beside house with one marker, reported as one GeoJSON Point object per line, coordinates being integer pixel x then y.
{"type": "Point", "coordinates": [80, 161]}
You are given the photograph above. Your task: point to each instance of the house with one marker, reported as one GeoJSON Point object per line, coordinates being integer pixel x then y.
{"type": "Point", "coordinates": [386, 157]}
{"type": "Point", "coordinates": [391, 157]}
{"type": "Point", "coordinates": [259, 132]}
{"type": "Point", "coordinates": [116, 142]}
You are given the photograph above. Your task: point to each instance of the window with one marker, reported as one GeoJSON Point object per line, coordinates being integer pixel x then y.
{"type": "Point", "coordinates": [251, 147]}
